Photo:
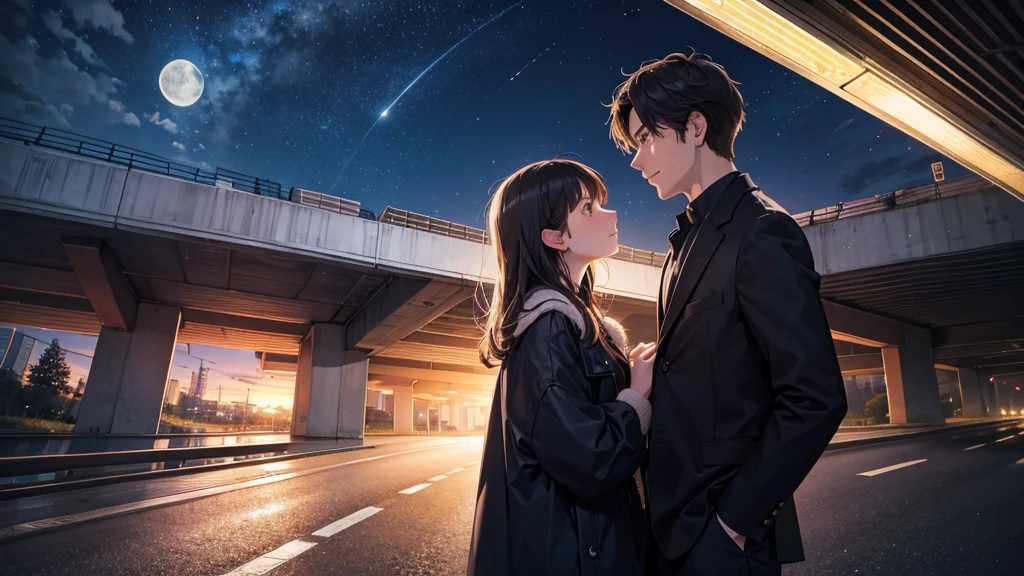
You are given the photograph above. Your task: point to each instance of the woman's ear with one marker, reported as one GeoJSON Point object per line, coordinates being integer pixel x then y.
{"type": "Point", "coordinates": [553, 239]}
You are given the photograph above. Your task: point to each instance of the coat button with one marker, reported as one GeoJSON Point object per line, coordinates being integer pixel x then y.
{"type": "Point", "coordinates": [781, 504]}
{"type": "Point", "coordinates": [592, 552]}
{"type": "Point", "coordinates": [664, 365]}
{"type": "Point", "coordinates": [767, 521]}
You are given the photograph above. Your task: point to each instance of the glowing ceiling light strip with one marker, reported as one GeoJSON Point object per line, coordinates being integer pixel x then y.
{"type": "Point", "coordinates": [767, 30]}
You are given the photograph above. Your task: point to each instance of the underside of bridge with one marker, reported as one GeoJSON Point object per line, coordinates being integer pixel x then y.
{"type": "Point", "coordinates": [950, 74]}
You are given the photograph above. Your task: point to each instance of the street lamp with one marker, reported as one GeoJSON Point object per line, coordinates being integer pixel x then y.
{"type": "Point", "coordinates": [273, 416]}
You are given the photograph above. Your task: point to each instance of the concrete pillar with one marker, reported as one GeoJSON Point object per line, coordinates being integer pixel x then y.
{"type": "Point", "coordinates": [403, 410]}
{"type": "Point", "coordinates": [330, 386]}
{"type": "Point", "coordinates": [125, 390]}
{"type": "Point", "coordinates": [910, 382]}
{"type": "Point", "coordinates": [970, 390]}
{"type": "Point", "coordinates": [456, 417]}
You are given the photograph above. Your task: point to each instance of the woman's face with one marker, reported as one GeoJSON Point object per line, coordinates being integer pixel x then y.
{"type": "Point", "coordinates": [592, 230]}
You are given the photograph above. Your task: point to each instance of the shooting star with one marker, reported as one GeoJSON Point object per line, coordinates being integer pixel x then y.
{"type": "Point", "coordinates": [516, 75]}
{"type": "Point", "coordinates": [384, 114]}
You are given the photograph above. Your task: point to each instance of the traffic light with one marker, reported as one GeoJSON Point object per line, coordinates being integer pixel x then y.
{"type": "Point", "coordinates": [1017, 388]}
{"type": "Point", "coordinates": [992, 380]}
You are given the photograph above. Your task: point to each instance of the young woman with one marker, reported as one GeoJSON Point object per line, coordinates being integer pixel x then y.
{"type": "Point", "coordinates": [567, 430]}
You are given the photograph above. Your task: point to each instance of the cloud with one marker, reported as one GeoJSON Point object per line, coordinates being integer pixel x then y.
{"type": "Point", "coordinates": [168, 125]}
{"type": "Point", "coordinates": [124, 117]}
{"type": "Point", "coordinates": [875, 172]}
{"type": "Point", "coordinates": [55, 24]}
{"type": "Point", "coordinates": [51, 89]}
{"type": "Point", "coordinates": [178, 145]}
{"type": "Point", "coordinates": [25, 5]}
{"type": "Point", "coordinates": [101, 15]}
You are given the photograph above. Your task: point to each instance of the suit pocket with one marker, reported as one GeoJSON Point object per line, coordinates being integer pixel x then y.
{"type": "Point", "coordinates": [722, 452]}
{"type": "Point", "coordinates": [703, 304]}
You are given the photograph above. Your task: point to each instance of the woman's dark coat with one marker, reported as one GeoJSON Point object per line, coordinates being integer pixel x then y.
{"type": "Point", "coordinates": [568, 503]}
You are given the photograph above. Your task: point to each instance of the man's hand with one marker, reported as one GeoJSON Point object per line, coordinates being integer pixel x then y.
{"type": "Point", "coordinates": [738, 538]}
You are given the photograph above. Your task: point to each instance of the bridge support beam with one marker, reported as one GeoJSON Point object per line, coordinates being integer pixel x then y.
{"type": "Point", "coordinates": [971, 392]}
{"type": "Point", "coordinates": [125, 390]}
{"type": "Point", "coordinates": [330, 386]}
{"type": "Point", "coordinates": [907, 360]}
{"type": "Point", "coordinates": [403, 416]}
{"type": "Point", "coordinates": [910, 381]}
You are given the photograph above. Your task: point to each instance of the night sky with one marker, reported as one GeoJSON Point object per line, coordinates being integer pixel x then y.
{"type": "Point", "coordinates": [293, 87]}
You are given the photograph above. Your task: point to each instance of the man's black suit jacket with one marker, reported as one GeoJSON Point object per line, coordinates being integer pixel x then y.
{"type": "Point", "coordinates": [747, 388]}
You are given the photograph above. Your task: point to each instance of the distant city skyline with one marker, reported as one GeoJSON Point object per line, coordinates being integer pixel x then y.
{"type": "Point", "coordinates": [273, 390]}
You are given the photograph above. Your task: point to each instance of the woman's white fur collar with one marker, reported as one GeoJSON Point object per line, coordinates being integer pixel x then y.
{"type": "Point", "coordinates": [545, 300]}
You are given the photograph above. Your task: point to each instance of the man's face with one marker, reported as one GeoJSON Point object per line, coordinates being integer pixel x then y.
{"type": "Point", "coordinates": [666, 162]}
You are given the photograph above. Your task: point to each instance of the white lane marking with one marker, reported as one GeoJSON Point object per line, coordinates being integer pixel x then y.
{"type": "Point", "coordinates": [891, 468]}
{"type": "Point", "coordinates": [60, 521]}
{"type": "Point", "coordinates": [974, 447]}
{"type": "Point", "coordinates": [437, 478]}
{"type": "Point", "coordinates": [414, 489]}
{"type": "Point", "coordinates": [346, 522]}
{"type": "Point", "coordinates": [1021, 434]}
{"type": "Point", "coordinates": [473, 463]}
{"type": "Point", "coordinates": [272, 559]}
{"type": "Point", "coordinates": [455, 471]}
{"type": "Point", "coordinates": [1021, 461]}
{"type": "Point", "coordinates": [1005, 439]}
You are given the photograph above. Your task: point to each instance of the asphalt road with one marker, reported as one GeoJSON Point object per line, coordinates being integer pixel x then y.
{"type": "Point", "coordinates": [958, 511]}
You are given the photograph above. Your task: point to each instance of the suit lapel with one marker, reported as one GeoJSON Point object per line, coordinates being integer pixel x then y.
{"type": "Point", "coordinates": [693, 265]}
{"type": "Point", "coordinates": [661, 285]}
{"type": "Point", "coordinates": [704, 246]}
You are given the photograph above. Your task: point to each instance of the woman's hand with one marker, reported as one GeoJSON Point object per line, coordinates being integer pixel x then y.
{"type": "Point", "coordinates": [641, 369]}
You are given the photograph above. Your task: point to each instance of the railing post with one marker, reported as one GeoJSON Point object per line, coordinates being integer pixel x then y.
{"type": "Point", "coordinates": [40, 137]}
{"type": "Point", "coordinates": [110, 156]}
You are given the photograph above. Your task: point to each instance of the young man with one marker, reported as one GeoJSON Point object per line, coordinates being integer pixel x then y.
{"type": "Point", "coordinates": [747, 389]}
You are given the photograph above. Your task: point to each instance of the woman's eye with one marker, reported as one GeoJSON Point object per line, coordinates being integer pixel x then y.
{"type": "Point", "coordinates": [587, 208]}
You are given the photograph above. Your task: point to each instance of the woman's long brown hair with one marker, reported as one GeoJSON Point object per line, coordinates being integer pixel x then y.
{"type": "Point", "coordinates": [537, 197]}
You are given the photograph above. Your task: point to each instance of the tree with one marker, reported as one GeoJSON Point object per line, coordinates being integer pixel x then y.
{"type": "Point", "coordinates": [877, 408]}
{"type": "Point", "coordinates": [51, 371]}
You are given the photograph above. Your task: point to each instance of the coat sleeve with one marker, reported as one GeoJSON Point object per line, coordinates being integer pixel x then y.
{"type": "Point", "coordinates": [777, 290]}
{"type": "Point", "coordinates": [588, 448]}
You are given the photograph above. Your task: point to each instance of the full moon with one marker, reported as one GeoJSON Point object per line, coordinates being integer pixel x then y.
{"type": "Point", "coordinates": [181, 83]}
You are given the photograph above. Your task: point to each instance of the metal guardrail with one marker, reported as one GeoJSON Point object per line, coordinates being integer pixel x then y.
{"type": "Point", "coordinates": [895, 199]}
{"type": "Point", "coordinates": [407, 219]}
{"type": "Point", "coordinates": [133, 158]}
{"type": "Point", "coordinates": [25, 465]}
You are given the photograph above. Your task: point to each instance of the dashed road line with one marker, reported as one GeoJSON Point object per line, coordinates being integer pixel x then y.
{"type": "Point", "coordinates": [1005, 439]}
{"type": "Point", "coordinates": [1021, 461]}
{"type": "Point", "coordinates": [891, 468]}
{"type": "Point", "coordinates": [974, 447]}
{"type": "Point", "coordinates": [272, 559]}
{"type": "Point", "coordinates": [473, 463]}
{"type": "Point", "coordinates": [437, 478]}
{"type": "Point", "coordinates": [454, 471]}
{"type": "Point", "coordinates": [346, 522]}
{"type": "Point", "coordinates": [414, 489]}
